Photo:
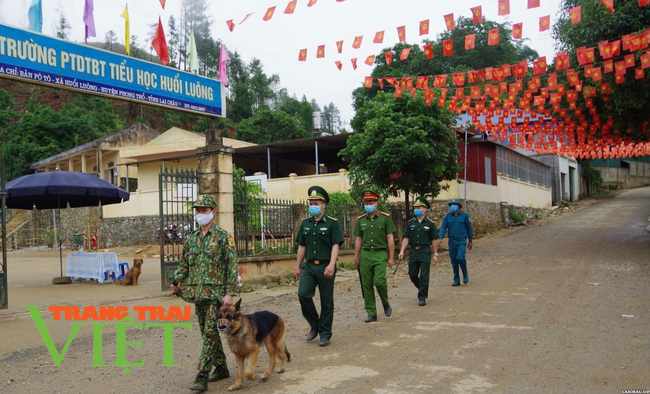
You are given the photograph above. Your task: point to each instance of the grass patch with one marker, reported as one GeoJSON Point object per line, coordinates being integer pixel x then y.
{"type": "Point", "coordinates": [347, 266]}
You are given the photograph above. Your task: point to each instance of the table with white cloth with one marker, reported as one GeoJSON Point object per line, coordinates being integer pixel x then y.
{"type": "Point", "coordinates": [91, 265]}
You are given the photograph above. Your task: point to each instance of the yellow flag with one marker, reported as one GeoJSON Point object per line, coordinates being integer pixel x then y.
{"type": "Point", "coordinates": [127, 35]}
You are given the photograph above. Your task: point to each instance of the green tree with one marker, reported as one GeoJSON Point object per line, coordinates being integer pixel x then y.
{"type": "Point", "coordinates": [332, 123]}
{"type": "Point", "coordinates": [402, 145]}
{"type": "Point", "coordinates": [111, 38]}
{"type": "Point", "coordinates": [268, 126]}
{"type": "Point", "coordinates": [629, 103]}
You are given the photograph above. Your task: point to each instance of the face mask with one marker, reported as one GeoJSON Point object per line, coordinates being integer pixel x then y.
{"type": "Point", "coordinates": [417, 212]}
{"type": "Point", "coordinates": [203, 218]}
{"type": "Point", "coordinates": [453, 208]}
{"type": "Point", "coordinates": [370, 208]}
{"type": "Point", "coordinates": [314, 209]}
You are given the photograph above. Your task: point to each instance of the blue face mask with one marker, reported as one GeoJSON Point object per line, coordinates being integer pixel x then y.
{"type": "Point", "coordinates": [370, 208]}
{"type": "Point", "coordinates": [453, 208]}
{"type": "Point", "coordinates": [314, 210]}
{"type": "Point", "coordinates": [417, 212]}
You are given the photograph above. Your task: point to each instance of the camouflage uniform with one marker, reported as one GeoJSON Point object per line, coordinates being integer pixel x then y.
{"type": "Point", "coordinates": [209, 270]}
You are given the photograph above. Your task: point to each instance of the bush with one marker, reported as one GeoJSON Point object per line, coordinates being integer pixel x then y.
{"type": "Point", "coordinates": [515, 216]}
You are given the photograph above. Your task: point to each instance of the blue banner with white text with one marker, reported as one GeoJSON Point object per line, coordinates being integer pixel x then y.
{"type": "Point", "coordinates": [35, 58]}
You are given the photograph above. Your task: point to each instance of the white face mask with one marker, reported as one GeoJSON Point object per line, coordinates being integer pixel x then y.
{"type": "Point", "coordinates": [203, 218]}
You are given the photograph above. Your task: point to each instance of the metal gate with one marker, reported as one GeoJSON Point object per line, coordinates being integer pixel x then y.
{"type": "Point", "coordinates": [178, 189]}
{"type": "Point", "coordinates": [4, 291]}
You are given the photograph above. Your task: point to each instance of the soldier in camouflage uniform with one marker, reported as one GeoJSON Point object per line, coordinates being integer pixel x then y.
{"type": "Point", "coordinates": [209, 270]}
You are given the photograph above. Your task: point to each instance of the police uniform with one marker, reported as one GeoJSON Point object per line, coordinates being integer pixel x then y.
{"type": "Point", "coordinates": [420, 236]}
{"type": "Point", "coordinates": [459, 227]}
{"type": "Point", "coordinates": [374, 232]}
{"type": "Point", "coordinates": [209, 270]}
{"type": "Point", "coordinates": [318, 237]}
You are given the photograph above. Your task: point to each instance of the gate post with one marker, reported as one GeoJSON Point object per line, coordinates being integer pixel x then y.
{"type": "Point", "coordinates": [215, 177]}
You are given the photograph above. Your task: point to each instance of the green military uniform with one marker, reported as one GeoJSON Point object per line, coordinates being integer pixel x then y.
{"type": "Point", "coordinates": [209, 270]}
{"type": "Point", "coordinates": [318, 237]}
{"type": "Point", "coordinates": [373, 257]}
{"type": "Point", "coordinates": [420, 235]}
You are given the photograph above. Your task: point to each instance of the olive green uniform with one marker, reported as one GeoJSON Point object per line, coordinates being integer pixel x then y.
{"type": "Point", "coordinates": [209, 270]}
{"type": "Point", "coordinates": [318, 237]}
{"type": "Point", "coordinates": [420, 236]}
{"type": "Point", "coordinates": [373, 258]}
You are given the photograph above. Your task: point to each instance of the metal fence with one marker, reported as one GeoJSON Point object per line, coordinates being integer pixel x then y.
{"type": "Point", "coordinates": [342, 213]}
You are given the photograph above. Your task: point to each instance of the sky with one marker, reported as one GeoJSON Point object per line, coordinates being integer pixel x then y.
{"type": "Point", "coordinates": [277, 42]}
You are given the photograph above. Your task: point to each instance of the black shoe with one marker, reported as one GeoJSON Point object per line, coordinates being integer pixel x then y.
{"type": "Point", "coordinates": [311, 334]}
{"type": "Point", "coordinates": [388, 311]}
{"type": "Point", "coordinates": [324, 342]}
{"type": "Point", "coordinates": [423, 302]}
{"type": "Point", "coordinates": [370, 319]}
{"type": "Point", "coordinates": [455, 284]}
{"type": "Point", "coordinates": [466, 280]}
{"type": "Point", "coordinates": [218, 374]}
{"type": "Point", "coordinates": [201, 382]}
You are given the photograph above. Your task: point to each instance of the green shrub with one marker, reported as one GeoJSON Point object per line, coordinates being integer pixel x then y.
{"type": "Point", "coordinates": [515, 216]}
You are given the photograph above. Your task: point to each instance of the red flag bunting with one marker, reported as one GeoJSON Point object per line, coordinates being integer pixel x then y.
{"type": "Point", "coordinates": [162, 3]}
{"type": "Point", "coordinates": [440, 81]}
{"type": "Point", "coordinates": [269, 14]}
{"type": "Point", "coordinates": [404, 54]}
{"type": "Point", "coordinates": [562, 61]}
{"type": "Point", "coordinates": [609, 5]}
{"type": "Point", "coordinates": [354, 63]}
{"type": "Point", "coordinates": [428, 51]}
{"type": "Point", "coordinates": [629, 61]}
{"type": "Point", "coordinates": [321, 52]}
{"type": "Point", "coordinates": [311, 2]}
{"type": "Point", "coordinates": [544, 23]}
{"type": "Point", "coordinates": [231, 25]}
{"type": "Point", "coordinates": [389, 58]}
{"type": "Point", "coordinates": [159, 43]}
{"type": "Point", "coordinates": [458, 78]}
{"type": "Point", "coordinates": [357, 42]}
{"type": "Point", "coordinates": [448, 47]}
{"type": "Point", "coordinates": [576, 14]}
{"type": "Point", "coordinates": [517, 30]}
{"type": "Point", "coordinates": [477, 14]}
{"type": "Point", "coordinates": [469, 41]}
{"type": "Point", "coordinates": [539, 66]}
{"type": "Point", "coordinates": [290, 7]}
{"type": "Point", "coordinates": [449, 22]}
{"type": "Point", "coordinates": [379, 37]}
{"type": "Point", "coordinates": [504, 7]}
{"type": "Point", "coordinates": [401, 33]}
{"type": "Point", "coordinates": [380, 81]}
{"type": "Point", "coordinates": [533, 4]}
{"type": "Point", "coordinates": [368, 82]}
{"type": "Point", "coordinates": [424, 27]}
{"type": "Point", "coordinates": [339, 65]}
{"type": "Point", "coordinates": [643, 3]}
{"type": "Point", "coordinates": [339, 46]}
{"type": "Point", "coordinates": [302, 55]}
{"type": "Point", "coordinates": [645, 60]}
{"type": "Point", "coordinates": [608, 66]}
{"type": "Point", "coordinates": [370, 60]}
{"type": "Point", "coordinates": [493, 36]}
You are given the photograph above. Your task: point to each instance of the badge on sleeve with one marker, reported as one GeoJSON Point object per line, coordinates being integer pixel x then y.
{"type": "Point", "coordinates": [231, 242]}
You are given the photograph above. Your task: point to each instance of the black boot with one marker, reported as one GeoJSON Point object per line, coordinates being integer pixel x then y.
{"type": "Point", "coordinates": [219, 373]}
{"type": "Point", "coordinates": [201, 382]}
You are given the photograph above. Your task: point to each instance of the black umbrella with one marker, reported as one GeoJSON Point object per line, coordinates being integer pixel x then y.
{"type": "Point", "coordinates": [58, 189]}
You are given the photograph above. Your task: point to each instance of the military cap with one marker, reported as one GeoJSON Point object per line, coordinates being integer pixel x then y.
{"type": "Point", "coordinates": [205, 200]}
{"type": "Point", "coordinates": [421, 201]}
{"type": "Point", "coordinates": [455, 201]}
{"type": "Point", "coordinates": [369, 194]}
{"type": "Point", "coordinates": [318, 193]}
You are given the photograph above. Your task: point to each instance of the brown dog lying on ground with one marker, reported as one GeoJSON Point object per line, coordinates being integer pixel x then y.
{"type": "Point", "coordinates": [132, 275]}
{"type": "Point", "coordinates": [245, 334]}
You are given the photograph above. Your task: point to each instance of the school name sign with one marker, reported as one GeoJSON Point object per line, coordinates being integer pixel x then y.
{"type": "Point", "coordinates": [35, 58]}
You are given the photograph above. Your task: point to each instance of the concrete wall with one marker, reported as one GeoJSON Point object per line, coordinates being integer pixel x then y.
{"type": "Point", "coordinates": [518, 193]}
{"type": "Point", "coordinates": [637, 175]}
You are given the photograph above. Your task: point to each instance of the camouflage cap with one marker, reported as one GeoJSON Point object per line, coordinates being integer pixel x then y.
{"type": "Point", "coordinates": [455, 201]}
{"type": "Point", "coordinates": [205, 200]}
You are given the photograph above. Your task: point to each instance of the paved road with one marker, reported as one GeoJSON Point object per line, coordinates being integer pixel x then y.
{"type": "Point", "coordinates": [560, 308]}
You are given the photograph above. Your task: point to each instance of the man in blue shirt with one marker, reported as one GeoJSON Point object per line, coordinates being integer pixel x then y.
{"type": "Point", "coordinates": [460, 230]}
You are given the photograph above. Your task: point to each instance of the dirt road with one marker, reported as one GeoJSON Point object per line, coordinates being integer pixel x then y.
{"type": "Point", "coordinates": [559, 308]}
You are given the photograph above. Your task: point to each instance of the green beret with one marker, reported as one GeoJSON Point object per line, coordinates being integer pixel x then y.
{"type": "Point", "coordinates": [205, 200]}
{"type": "Point", "coordinates": [421, 201]}
{"type": "Point", "coordinates": [455, 201]}
{"type": "Point", "coordinates": [318, 193]}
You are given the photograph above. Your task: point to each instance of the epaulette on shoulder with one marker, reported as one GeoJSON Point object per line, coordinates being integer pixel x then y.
{"type": "Point", "coordinates": [307, 219]}
{"type": "Point", "coordinates": [360, 216]}
{"type": "Point", "coordinates": [412, 219]}
{"type": "Point", "coordinates": [385, 213]}
{"type": "Point", "coordinates": [333, 218]}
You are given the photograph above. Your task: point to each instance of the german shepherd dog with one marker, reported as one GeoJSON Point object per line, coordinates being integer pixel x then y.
{"type": "Point", "coordinates": [245, 334]}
